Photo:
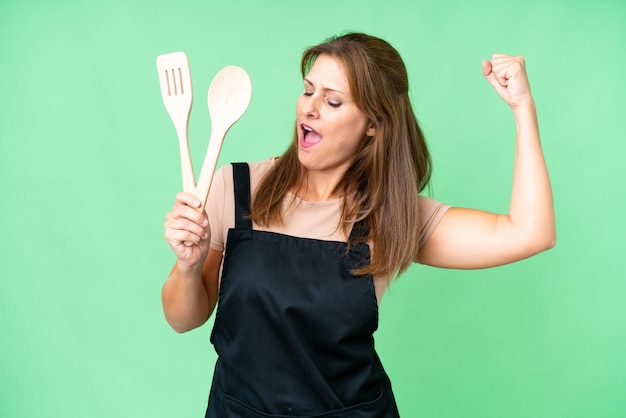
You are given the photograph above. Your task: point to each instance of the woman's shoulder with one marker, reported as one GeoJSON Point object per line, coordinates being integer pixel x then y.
{"type": "Point", "coordinates": [221, 202]}
{"type": "Point", "coordinates": [258, 169]}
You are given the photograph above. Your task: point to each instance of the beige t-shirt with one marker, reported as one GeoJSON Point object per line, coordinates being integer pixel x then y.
{"type": "Point", "coordinates": [316, 220]}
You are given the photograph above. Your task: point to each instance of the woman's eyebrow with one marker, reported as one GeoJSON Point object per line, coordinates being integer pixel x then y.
{"type": "Point", "coordinates": [309, 82]}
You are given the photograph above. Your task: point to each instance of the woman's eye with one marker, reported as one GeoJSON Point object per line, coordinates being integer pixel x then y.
{"type": "Point", "coordinates": [333, 104]}
{"type": "Point", "coordinates": [308, 94]}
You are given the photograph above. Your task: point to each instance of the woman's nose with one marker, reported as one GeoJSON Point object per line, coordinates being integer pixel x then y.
{"type": "Point", "coordinates": [311, 107]}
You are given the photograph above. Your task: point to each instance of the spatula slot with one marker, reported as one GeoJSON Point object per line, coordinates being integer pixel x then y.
{"type": "Point", "coordinates": [180, 77]}
{"type": "Point", "coordinates": [174, 82]}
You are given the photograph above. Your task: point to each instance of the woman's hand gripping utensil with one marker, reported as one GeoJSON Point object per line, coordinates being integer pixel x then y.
{"type": "Point", "coordinates": [175, 80]}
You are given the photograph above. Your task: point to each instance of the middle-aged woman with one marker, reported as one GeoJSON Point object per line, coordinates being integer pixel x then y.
{"type": "Point", "coordinates": [300, 249]}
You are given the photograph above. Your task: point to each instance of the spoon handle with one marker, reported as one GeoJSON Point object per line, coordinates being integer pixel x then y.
{"type": "Point", "coordinates": [208, 168]}
{"type": "Point", "coordinates": [210, 162]}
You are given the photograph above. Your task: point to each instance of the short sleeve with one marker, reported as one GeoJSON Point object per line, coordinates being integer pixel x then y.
{"type": "Point", "coordinates": [430, 213]}
{"type": "Point", "coordinates": [219, 203]}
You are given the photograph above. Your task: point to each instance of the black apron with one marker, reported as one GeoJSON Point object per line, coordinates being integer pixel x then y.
{"type": "Point", "coordinates": [294, 328]}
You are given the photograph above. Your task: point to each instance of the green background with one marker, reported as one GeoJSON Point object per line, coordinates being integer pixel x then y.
{"type": "Point", "coordinates": [89, 166]}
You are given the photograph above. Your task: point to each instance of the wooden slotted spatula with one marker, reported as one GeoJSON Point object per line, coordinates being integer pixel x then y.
{"type": "Point", "coordinates": [175, 80]}
{"type": "Point", "coordinates": [228, 99]}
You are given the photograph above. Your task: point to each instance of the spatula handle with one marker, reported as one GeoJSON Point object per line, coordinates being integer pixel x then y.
{"type": "Point", "coordinates": [189, 180]}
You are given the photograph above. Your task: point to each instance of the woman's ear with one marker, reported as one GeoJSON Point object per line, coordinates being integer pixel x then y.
{"type": "Point", "coordinates": [371, 131]}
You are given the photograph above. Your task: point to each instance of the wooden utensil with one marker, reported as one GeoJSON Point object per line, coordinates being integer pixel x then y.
{"type": "Point", "coordinates": [228, 99]}
{"type": "Point", "coordinates": [175, 80]}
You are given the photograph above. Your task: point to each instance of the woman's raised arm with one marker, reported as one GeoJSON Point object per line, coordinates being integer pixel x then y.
{"type": "Point", "coordinates": [468, 238]}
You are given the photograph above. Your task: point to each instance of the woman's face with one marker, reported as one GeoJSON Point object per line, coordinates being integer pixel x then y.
{"type": "Point", "coordinates": [330, 127]}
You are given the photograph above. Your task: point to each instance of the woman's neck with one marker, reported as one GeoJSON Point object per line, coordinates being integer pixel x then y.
{"type": "Point", "coordinates": [319, 186]}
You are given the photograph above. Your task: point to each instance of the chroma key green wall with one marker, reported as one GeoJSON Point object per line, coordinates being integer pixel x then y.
{"type": "Point", "coordinates": [89, 167]}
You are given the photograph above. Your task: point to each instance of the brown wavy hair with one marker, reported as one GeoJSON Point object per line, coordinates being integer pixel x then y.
{"type": "Point", "coordinates": [383, 183]}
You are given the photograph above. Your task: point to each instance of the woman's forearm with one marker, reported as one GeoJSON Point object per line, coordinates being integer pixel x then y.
{"type": "Point", "coordinates": [531, 209]}
{"type": "Point", "coordinates": [185, 299]}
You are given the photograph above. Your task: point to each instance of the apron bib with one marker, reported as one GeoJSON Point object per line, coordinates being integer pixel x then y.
{"type": "Point", "coordinates": [294, 328]}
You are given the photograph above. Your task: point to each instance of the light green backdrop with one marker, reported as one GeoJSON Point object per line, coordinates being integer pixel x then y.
{"type": "Point", "coordinates": [89, 167]}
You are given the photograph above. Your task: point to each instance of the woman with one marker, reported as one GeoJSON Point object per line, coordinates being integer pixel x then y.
{"type": "Point", "coordinates": [310, 241]}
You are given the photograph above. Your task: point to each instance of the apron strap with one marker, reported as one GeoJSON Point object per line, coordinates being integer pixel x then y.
{"type": "Point", "coordinates": [241, 179]}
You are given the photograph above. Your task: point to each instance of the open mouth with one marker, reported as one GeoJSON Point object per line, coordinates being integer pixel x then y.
{"type": "Point", "coordinates": [309, 135]}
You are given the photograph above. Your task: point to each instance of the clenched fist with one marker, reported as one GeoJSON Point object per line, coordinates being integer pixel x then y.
{"type": "Point", "coordinates": [507, 75]}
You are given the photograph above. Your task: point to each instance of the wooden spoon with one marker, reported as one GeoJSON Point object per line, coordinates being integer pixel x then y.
{"type": "Point", "coordinates": [229, 96]}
